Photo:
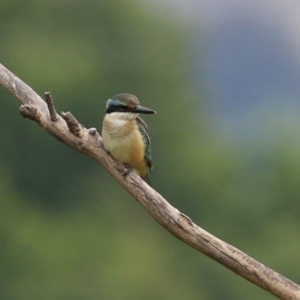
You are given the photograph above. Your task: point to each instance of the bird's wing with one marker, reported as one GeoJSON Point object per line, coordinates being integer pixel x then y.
{"type": "Point", "coordinates": [146, 135]}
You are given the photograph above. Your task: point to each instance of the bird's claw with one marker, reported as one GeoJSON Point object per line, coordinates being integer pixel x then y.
{"type": "Point", "coordinates": [127, 171]}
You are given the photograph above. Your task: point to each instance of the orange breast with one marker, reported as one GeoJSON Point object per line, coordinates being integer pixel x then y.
{"type": "Point", "coordinates": [125, 143]}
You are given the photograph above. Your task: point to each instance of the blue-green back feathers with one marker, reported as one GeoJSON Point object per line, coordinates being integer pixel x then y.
{"type": "Point", "coordinates": [146, 136]}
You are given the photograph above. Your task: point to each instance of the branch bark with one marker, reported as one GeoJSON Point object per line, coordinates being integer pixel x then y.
{"type": "Point", "coordinates": [69, 131]}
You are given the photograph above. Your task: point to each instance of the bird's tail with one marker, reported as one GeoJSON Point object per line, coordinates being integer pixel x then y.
{"type": "Point", "coordinates": [147, 179]}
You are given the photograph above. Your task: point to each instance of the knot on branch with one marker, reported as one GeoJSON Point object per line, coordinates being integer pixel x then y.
{"type": "Point", "coordinates": [184, 221]}
{"type": "Point", "coordinates": [74, 126]}
{"type": "Point", "coordinates": [92, 131]}
{"type": "Point", "coordinates": [51, 107]}
{"type": "Point", "coordinates": [29, 111]}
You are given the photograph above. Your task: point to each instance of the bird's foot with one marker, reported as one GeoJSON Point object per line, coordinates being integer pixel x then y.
{"type": "Point", "coordinates": [127, 171]}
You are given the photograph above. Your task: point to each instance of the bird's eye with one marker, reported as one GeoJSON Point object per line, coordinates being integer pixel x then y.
{"type": "Point", "coordinates": [123, 107]}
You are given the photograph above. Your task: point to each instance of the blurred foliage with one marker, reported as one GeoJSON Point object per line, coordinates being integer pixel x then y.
{"type": "Point", "coordinates": [68, 231]}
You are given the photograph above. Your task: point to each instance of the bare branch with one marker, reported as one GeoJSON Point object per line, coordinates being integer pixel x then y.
{"type": "Point", "coordinates": [69, 131]}
{"type": "Point", "coordinates": [72, 123]}
{"type": "Point", "coordinates": [29, 111]}
{"type": "Point", "coordinates": [51, 107]}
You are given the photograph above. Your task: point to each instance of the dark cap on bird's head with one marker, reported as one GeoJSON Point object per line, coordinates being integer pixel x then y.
{"type": "Point", "coordinates": [126, 103]}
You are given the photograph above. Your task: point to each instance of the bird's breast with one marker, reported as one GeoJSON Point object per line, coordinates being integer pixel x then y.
{"type": "Point", "coordinates": [122, 139]}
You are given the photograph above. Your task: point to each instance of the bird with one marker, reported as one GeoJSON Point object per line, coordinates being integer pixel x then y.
{"type": "Point", "coordinates": [126, 136]}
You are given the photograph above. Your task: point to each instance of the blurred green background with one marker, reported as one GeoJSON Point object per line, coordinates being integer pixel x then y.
{"type": "Point", "coordinates": [68, 231]}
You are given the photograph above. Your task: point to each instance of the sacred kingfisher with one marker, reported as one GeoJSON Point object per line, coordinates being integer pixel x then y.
{"type": "Point", "coordinates": [126, 136]}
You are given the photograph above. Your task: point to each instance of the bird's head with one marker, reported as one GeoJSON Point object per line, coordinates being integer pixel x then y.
{"type": "Point", "coordinates": [126, 103]}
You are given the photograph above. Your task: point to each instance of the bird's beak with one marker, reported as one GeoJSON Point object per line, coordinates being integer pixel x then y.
{"type": "Point", "coordinates": [143, 110]}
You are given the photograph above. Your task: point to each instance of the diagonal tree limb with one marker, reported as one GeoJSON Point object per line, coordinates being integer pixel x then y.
{"type": "Point", "coordinates": [69, 131]}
